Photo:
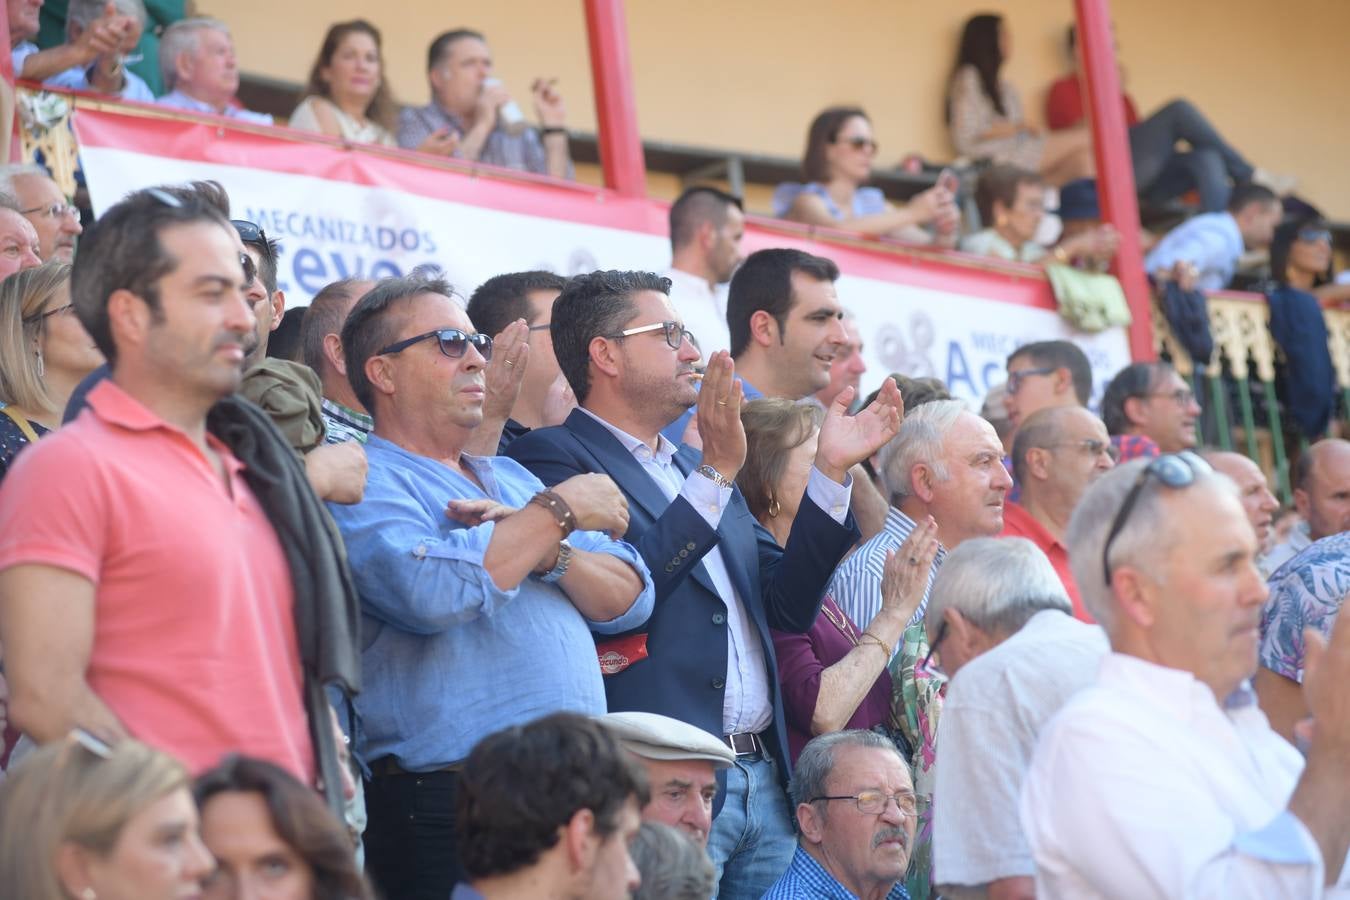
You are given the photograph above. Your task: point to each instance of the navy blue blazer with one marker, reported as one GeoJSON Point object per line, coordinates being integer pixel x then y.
{"type": "Point", "coordinates": [684, 673]}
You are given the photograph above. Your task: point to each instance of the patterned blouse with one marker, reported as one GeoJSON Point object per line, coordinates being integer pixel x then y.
{"type": "Point", "coordinates": [973, 113]}
{"type": "Point", "coordinates": [1305, 592]}
{"type": "Point", "coordinates": [13, 440]}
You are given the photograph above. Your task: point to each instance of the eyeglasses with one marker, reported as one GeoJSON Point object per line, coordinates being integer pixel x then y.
{"type": "Point", "coordinates": [1313, 235]}
{"type": "Point", "coordinates": [452, 341]}
{"type": "Point", "coordinates": [94, 744]}
{"type": "Point", "coordinates": [675, 333]}
{"type": "Point", "coordinates": [42, 316]}
{"type": "Point", "coordinates": [1091, 447]}
{"type": "Point", "coordinates": [543, 327]}
{"type": "Point", "coordinates": [249, 232]}
{"type": "Point", "coordinates": [1181, 396]}
{"type": "Point", "coordinates": [928, 663]}
{"type": "Point", "coordinates": [1015, 379]}
{"type": "Point", "coordinates": [860, 143]}
{"type": "Point", "coordinates": [873, 803]}
{"type": "Point", "coordinates": [55, 210]}
{"type": "Point", "coordinates": [1175, 470]}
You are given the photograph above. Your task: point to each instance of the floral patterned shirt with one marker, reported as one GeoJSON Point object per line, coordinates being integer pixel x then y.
{"type": "Point", "coordinates": [1305, 592]}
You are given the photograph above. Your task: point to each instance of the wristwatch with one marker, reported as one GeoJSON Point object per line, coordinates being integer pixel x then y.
{"type": "Point", "coordinates": [715, 476]}
{"type": "Point", "coordinates": [560, 567]}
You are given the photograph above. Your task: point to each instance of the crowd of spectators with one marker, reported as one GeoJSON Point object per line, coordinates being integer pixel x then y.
{"type": "Point", "coordinates": [613, 585]}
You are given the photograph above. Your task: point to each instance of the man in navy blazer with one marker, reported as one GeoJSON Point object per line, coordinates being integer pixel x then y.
{"type": "Point", "coordinates": [721, 581]}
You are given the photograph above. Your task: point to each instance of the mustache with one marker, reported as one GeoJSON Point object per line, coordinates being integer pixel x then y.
{"type": "Point", "coordinates": [891, 834]}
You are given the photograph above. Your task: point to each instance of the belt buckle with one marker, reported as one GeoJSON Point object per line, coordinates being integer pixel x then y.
{"type": "Point", "coordinates": [743, 743]}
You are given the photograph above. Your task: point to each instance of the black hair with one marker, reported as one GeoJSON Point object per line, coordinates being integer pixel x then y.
{"type": "Point", "coordinates": [502, 299]}
{"type": "Point", "coordinates": [696, 205]}
{"type": "Point", "coordinates": [1061, 355]}
{"type": "Point", "coordinates": [369, 327]}
{"type": "Point", "coordinates": [591, 306]}
{"type": "Point", "coordinates": [980, 50]}
{"type": "Point", "coordinates": [764, 281]}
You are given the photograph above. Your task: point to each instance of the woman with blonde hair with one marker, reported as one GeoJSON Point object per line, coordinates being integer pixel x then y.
{"type": "Point", "coordinates": [83, 820]}
{"type": "Point", "coordinates": [347, 95]}
{"type": "Point", "coordinates": [44, 353]}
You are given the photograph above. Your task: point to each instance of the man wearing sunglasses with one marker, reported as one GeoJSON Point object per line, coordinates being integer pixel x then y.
{"type": "Point", "coordinates": [482, 588]}
{"type": "Point", "coordinates": [706, 656]}
{"type": "Point", "coordinates": [1163, 778]}
{"type": "Point", "coordinates": [1057, 453]}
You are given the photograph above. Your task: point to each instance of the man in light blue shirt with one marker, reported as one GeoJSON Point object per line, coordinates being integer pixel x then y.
{"type": "Point", "coordinates": [480, 589]}
{"type": "Point", "coordinates": [107, 73]}
{"type": "Point", "coordinates": [201, 74]}
{"type": "Point", "coordinates": [1208, 246]}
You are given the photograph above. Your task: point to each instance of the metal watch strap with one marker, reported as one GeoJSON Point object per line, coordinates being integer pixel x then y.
{"type": "Point", "coordinates": [715, 476]}
{"type": "Point", "coordinates": [560, 567]}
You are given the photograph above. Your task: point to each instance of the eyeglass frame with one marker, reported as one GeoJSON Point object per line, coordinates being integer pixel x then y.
{"type": "Point", "coordinates": [1165, 467]}
{"type": "Point", "coordinates": [1015, 379]}
{"type": "Point", "coordinates": [480, 342]}
{"type": "Point", "coordinates": [1181, 396]}
{"type": "Point", "coordinates": [1087, 445]}
{"type": "Point", "coordinates": [55, 210]}
{"type": "Point", "coordinates": [941, 636]}
{"type": "Point", "coordinates": [668, 327]}
{"type": "Point", "coordinates": [44, 316]}
{"type": "Point", "coordinates": [885, 801]}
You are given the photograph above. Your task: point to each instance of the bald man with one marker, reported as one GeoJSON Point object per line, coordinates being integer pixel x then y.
{"type": "Point", "coordinates": [1253, 490]}
{"type": "Point", "coordinates": [1321, 479]}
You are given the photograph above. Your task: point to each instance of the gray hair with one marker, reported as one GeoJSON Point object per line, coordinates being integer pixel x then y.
{"type": "Point", "coordinates": [998, 584]}
{"type": "Point", "coordinates": [83, 12]}
{"type": "Point", "coordinates": [919, 442]}
{"type": "Point", "coordinates": [180, 38]}
{"type": "Point", "coordinates": [1143, 541]}
{"type": "Point", "coordinates": [814, 766]}
{"type": "Point", "coordinates": [672, 866]}
{"type": "Point", "coordinates": [13, 170]}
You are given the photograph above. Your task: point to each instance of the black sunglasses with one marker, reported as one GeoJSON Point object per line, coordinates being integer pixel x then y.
{"type": "Point", "coordinates": [249, 232]}
{"type": "Point", "coordinates": [1313, 235]}
{"type": "Point", "coordinates": [452, 341]}
{"type": "Point", "coordinates": [1175, 470]}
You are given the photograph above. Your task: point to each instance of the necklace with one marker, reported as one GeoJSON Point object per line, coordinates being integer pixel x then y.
{"type": "Point", "coordinates": [839, 620]}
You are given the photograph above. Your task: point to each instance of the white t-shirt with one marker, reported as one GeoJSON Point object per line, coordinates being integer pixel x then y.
{"type": "Point", "coordinates": [704, 310]}
{"type": "Point", "coordinates": [995, 709]}
{"type": "Point", "coordinates": [1143, 786]}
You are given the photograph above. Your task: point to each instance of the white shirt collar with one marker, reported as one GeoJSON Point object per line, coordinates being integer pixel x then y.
{"type": "Point", "coordinates": [664, 452]}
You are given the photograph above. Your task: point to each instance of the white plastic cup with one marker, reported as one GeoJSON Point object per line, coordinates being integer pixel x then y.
{"type": "Point", "coordinates": [508, 114]}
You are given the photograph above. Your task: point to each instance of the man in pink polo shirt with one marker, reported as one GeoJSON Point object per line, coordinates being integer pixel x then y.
{"type": "Point", "coordinates": [143, 590]}
{"type": "Point", "coordinates": [1057, 453]}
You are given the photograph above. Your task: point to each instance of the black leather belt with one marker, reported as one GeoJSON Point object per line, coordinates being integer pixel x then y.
{"type": "Point", "coordinates": [744, 743]}
{"type": "Point", "coordinates": [386, 765]}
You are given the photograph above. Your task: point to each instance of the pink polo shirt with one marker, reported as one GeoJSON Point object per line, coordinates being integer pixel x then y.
{"type": "Point", "coordinates": [194, 631]}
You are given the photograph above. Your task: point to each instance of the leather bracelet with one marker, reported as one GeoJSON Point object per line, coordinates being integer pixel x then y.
{"type": "Point", "coordinates": [880, 643]}
{"type": "Point", "coordinates": [552, 129]}
{"type": "Point", "coordinates": [557, 506]}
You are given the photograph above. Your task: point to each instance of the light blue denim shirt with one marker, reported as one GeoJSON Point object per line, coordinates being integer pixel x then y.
{"type": "Point", "coordinates": [1210, 241]}
{"type": "Point", "coordinates": [448, 656]}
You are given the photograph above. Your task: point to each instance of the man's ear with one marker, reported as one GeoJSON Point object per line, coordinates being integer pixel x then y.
{"type": "Point", "coordinates": [604, 356]}
{"type": "Point", "coordinates": [580, 840]}
{"type": "Point", "coordinates": [278, 308]}
{"type": "Point", "coordinates": [129, 318]}
{"type": "Point", "coordinates": [921, 482]}
{"type": "Point", "coordinates": [332, 351]}
{"type": "Point", "coordinates": [812, 822]}
{"type": "Point", "coordinates": [1063, 381]}
{"type": "Point", "coordinates": [763, 328]}
{"type": "Point", "coordinates": [1038, 462]}
{"type": "Point", "coordinates": [1133, 408]}
{"type": "Point", "coordinates": [1136, 595]}
{"type": "Point", "coordinates": [380, 374]}
{"type": "Point", "coordinates": [1302, 503]}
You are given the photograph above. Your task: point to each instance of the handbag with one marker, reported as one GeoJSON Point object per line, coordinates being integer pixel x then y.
{"type": "Point", "coordinates": [1089, 300]}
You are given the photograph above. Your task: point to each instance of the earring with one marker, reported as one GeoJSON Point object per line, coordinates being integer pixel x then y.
{"type": "Point", "coordinates": [774, 508]}
{"type": "Point", "coordinates": [1001, 221]}
{"type": "Point", "coordinates": [88, 894]}
{"type": "Point", "coordinates": [41, 366]}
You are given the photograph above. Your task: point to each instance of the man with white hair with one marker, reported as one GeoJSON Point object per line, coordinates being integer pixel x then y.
{"type": "Point", "coordinates": [41, 202]}
{"type": "Point", "coordinates": [1163, 778]}
{"type": "Point", "coordinates": [103, 36]}
{"type": "Point", "coordinates": [196, 57]}
{"type": "Point", "coordinates": [107, 74]}
{"type": "Point", "coordinates": [1001, 626]}
{"type": "Point", "coordinates": [681, 760]}
{"type": "Point", "coordinates": [946, 462]}
{"type": "Point", "coordinates": [855, 809]}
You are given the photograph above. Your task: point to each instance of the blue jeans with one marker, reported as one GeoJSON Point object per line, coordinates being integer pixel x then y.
{"type": "Point", "coordinates": [752, 841]}
{"type": "Point", "coordinates": [1162, 172]}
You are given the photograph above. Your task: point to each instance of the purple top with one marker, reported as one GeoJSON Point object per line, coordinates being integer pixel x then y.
{"type": "Point", "coordinates": [801, 659]}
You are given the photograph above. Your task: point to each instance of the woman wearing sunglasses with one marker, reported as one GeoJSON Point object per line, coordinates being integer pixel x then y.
{"type": "Point", "coordinates": [44, 353]}
{"type": "Point", "coordinates": [837, 165]}
{"type": "Point", "coordinates": [82, 820]}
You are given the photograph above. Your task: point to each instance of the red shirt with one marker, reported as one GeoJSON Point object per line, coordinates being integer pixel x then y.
{"type": "Point", "coordinates": [194, 629]}
{"type": "Point", "coordinates": [1064, 105]}
{"type": "Point", "coordinates": [1017, 522]}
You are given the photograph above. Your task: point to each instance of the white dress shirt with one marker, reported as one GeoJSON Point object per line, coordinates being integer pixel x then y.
{"type": "Point", "coordinates": [747, 703]}
{"type": "Point", "coordinates": [1144, 786]}
{"type": "Point", "coordinates": [703, 309]}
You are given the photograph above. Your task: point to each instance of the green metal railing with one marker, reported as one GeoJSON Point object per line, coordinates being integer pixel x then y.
{"type": "Point", "coordinates": [1243, 348]}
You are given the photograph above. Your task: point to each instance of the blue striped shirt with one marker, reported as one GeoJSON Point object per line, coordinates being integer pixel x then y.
{"type": "Point", "coordinates": [856, 585]}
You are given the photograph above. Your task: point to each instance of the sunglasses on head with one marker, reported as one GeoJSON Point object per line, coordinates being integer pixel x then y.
{"type": "Point", "coordinates": [452, 342]}
{"type": "Point", "coordinates": [249, 232]}
{"type": "Point", "coordinates": [1174, 470]}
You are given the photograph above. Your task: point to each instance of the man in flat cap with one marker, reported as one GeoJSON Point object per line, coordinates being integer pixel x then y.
{"type": "Point", "coordinates": [681, 762]}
